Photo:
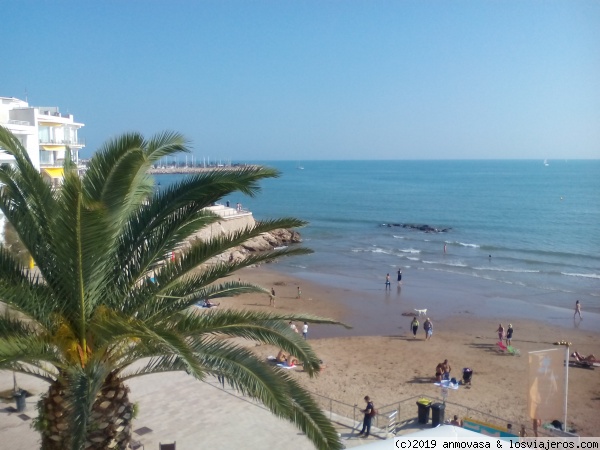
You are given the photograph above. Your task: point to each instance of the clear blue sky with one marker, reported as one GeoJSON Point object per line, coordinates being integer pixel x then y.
{"type": "Point", "coordinates": [264, 80]}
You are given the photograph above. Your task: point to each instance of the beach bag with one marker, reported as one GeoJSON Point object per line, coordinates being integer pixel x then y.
{"type": "Point", "coordinates": [373, 411]}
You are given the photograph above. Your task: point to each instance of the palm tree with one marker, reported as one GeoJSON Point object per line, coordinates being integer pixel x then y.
{"type": "Point", "coordinates": [89, 317]}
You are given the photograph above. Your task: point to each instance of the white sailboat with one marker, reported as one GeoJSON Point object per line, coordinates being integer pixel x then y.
{"type": "Point", "coordinates": [546, 162]}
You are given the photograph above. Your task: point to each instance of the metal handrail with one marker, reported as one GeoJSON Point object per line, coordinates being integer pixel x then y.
{"type": "Point", "coordinates": [395, 414]}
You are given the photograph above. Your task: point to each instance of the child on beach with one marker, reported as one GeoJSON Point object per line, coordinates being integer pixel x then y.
{"type": "Point", "coordinates": [387, 282]}
{"type": "Point", "coordinates": [500, 331]}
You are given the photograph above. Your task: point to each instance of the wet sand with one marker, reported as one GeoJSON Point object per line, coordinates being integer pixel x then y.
{"type": "Point", "coordinates": [379, 356]}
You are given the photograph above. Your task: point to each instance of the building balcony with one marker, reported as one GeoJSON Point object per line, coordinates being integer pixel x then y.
{"type": "Point", "coordinates": [71, 142]}
{"type": "Point", "coordinates": [20, 122]}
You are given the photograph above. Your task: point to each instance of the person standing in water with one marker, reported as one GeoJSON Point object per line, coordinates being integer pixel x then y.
{"type": "Point", "coordinates": [577, 309]}
{"type": "Point", "coordinates": [399, 276]}
{"type": "Point", "coordinates": [387, 282]}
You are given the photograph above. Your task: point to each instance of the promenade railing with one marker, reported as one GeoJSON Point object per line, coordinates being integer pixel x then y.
{"type": "Point", "coordinates": [394, 417]}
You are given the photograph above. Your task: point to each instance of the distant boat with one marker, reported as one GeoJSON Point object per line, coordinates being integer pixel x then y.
{"type": "Point", "coordinates": [300, 168]}
{"type": "Point", "coordinates": [546, 162]}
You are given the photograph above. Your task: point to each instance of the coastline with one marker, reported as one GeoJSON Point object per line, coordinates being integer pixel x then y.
{"type": "Point", "coordinates": [379, 357]}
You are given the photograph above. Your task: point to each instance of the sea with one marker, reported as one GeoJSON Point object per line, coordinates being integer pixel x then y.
{"type": "Point", "coordinates": [526, 230]}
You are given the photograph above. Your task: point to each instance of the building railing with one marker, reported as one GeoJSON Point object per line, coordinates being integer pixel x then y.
{"type": "Point", "coordinates": [62, 141]}
{"type": "Point", "coordinates": [20, 122]}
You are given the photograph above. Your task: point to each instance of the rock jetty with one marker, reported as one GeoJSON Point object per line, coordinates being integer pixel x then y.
{"type": "Point", "coordinates": [419, 227]}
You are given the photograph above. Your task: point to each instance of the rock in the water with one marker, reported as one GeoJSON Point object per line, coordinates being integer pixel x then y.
{"type": "Point", "coordinates": [420, 227]}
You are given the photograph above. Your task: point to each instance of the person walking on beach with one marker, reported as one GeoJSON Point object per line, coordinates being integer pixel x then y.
{"type": "Point", "coordinates": [299, 292]}
{"type": "Point", "coordinates": [577, 309]}
{"type": "Point", "coordinates": [428, 327]}
{"type": "Point", "coordinates": [369, 413]}
{"type": "Point", "coordinates": [500, 331]}
{"type": "Point", "coordinates": [415, 326]}
{"type": "Point", "coordinates": [293, 327]}
{"type": "Point", "coordinates": [387, 282]}
{"type": "Point", "coordinates": [272, 297]}
{"type": "Point", "coordinates": [399, 277]}
{"type": "Point", "coordinates": [305, 330]}
{"type": "Point", "coordinates": [509, 333]}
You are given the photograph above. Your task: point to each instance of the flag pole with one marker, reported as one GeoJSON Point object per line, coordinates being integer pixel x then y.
{"type": "Point", "coordinates": [566, 344]}
{"type": "Point", "coordinates": [566, 382]}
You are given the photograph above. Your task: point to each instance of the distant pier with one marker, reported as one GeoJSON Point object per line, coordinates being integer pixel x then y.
{"type": "Point", "coordinates": [196, 169]}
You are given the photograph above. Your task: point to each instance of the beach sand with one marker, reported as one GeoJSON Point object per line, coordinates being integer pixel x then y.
{"type": "Point", "coordinates": [379, 357]}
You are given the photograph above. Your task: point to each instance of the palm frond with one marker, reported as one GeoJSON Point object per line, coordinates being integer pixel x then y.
{"type": "Point", "coordinates": [30, 349]}
{"type": "Point", "coordinates": [44, 373]}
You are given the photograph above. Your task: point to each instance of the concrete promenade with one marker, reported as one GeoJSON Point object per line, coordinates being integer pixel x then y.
{"type": "Point", "coordinates": [174, 407]}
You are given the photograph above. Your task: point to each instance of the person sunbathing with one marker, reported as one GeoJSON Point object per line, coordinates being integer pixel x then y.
{"type": "Point", "coordinates": [291, 361]}
{"type": "Point", "coordinates": [589, 358]}
{"type": "Point", "coordinates": [208, 304]}
{"type": "Point", "coordinates": [281, 357]}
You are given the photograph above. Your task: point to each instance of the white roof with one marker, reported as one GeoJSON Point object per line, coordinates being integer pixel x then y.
{"type": "Point", "coordinates": [443, 431]}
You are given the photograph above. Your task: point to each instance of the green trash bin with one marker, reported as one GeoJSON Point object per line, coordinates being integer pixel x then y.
{"type": "Point", "coordinates": [20, 396]}
{"type": "Point", "coordinates": [423, 405]}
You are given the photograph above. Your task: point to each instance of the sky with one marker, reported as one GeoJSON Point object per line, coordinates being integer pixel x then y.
{"type": "Point", "coordinates": [308, 80]}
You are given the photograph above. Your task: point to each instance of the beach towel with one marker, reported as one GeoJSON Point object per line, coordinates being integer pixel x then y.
{"type": "Point", "coordinates": [447, 384]}
{"type": "Point", "coordinates": [202, 305]}
{"type": "Point", "coordinates": [285, 366]}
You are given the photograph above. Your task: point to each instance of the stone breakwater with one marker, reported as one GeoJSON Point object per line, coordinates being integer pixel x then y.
{"type": "Point", "coordinates": [419, 227]}
{"type": "Point", "coordinates": [230, 223]}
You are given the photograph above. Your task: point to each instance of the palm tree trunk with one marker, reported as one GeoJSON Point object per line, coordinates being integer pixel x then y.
{"type": "Point", "coordinates": [110, 421]}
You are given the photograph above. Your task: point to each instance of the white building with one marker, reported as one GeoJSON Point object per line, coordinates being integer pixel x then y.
{"type": "Point", "coordinates": [44, 132]}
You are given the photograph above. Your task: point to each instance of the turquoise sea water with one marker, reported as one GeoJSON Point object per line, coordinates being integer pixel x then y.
{"type": "Point", "coordinates": [540, 223]}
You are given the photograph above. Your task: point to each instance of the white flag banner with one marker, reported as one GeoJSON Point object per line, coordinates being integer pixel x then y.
{"type": "Point", "coordinates": [547, 384]}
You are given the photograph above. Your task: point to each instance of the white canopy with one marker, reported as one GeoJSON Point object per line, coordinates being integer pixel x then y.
{"type": "Point", "coordinates": [441, 432]}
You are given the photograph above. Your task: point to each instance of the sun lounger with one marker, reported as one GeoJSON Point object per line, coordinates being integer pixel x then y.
{"type": "Point", "coordinates": [580, 362]}
{"type": "Point", "coordinates": [513, 351]}
{"type": "Point", "coordinates": [510, 349]}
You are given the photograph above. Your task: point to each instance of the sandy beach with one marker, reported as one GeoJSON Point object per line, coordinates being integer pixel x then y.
{"type": "Point", "coordinates": [379, 356]}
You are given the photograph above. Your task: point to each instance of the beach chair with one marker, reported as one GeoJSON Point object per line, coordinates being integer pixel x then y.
{"type": "Point", "coordinates": [580, 362]}
{"type": "Point", "coordinates": [501, 346]}
{"type": "Point", "coordinates": [166, 446]}
{"type": "Point", "coordinates": [513, 351]}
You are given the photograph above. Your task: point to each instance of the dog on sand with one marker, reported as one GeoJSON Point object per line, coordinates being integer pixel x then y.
{"type": "Point", "coordinates": [421, 312]}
